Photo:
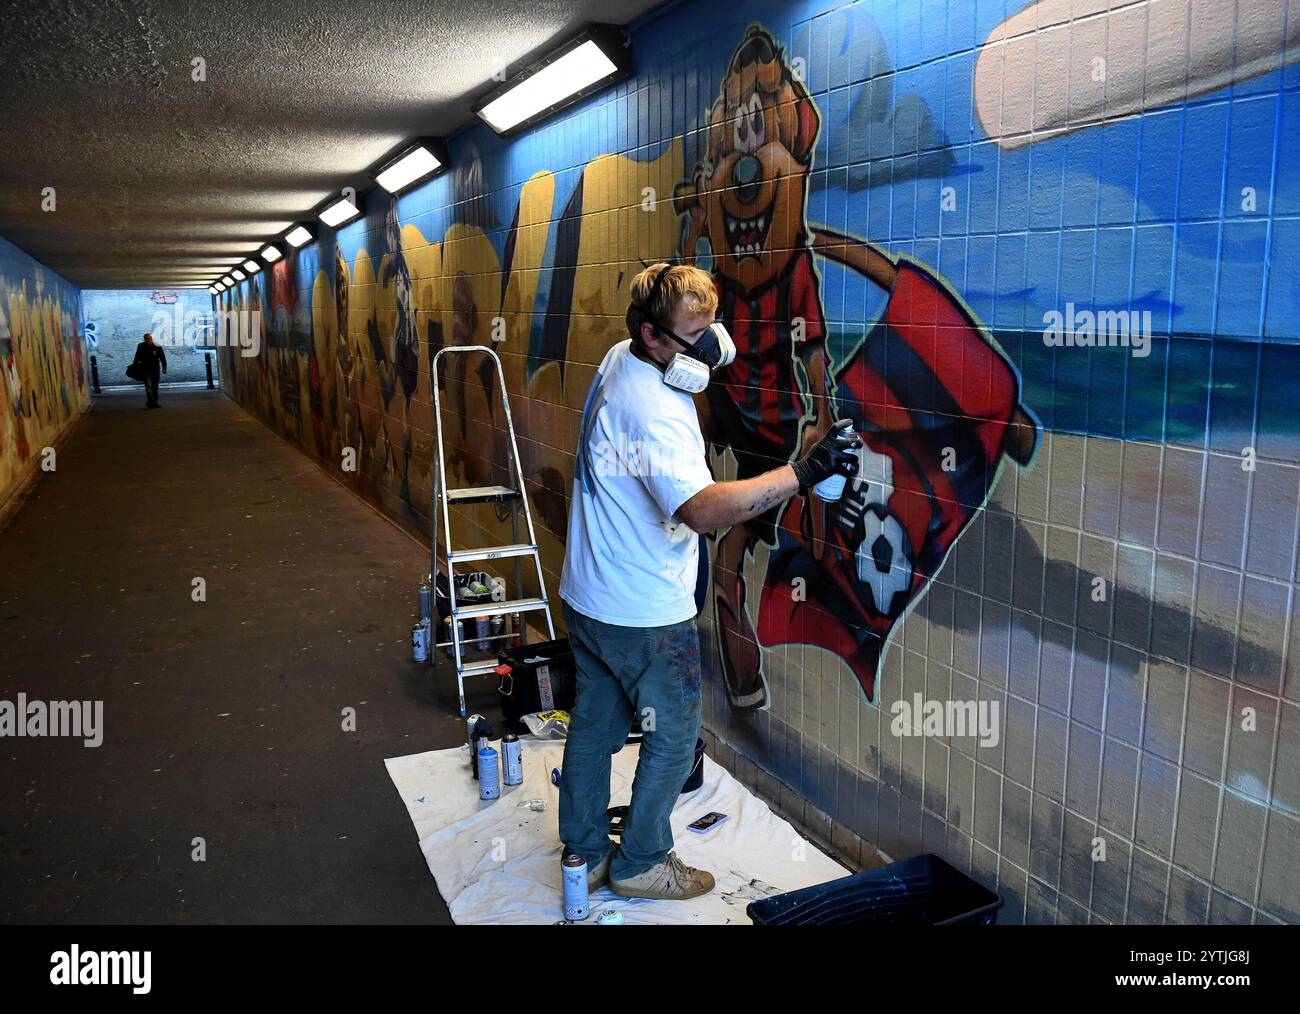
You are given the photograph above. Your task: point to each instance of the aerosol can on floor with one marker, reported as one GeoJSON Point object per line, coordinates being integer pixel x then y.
{"type": "Point", "coordinates": [420, 642]}
{"type": "Point", "coordinates": [426, 599]}
{"type": "Point", "coordinates": [576, 899]}
{"type": "Point", "coordinates": [489, 774]}
{"type": "Point", "coordinates": [512, 759]}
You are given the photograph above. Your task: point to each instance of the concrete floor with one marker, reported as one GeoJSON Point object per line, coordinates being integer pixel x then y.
{"type": "Point", "coordinates": [222, 719]}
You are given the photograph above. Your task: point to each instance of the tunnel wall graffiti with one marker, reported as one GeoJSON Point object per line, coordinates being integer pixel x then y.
{"type": "Point", "coordinates": [1039, 265]}
{"type": "Point", "coordinates": [44, 380]}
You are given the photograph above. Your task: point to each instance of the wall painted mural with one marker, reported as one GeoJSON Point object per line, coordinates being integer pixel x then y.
{"type": "Point", "coordinates": [1036, 252]}
{"type": "Point", "coordinates": [44, 380]}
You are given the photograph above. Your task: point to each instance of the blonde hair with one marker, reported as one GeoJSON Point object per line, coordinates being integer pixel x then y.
{"type": "Point", "coordinates": [683, 286]}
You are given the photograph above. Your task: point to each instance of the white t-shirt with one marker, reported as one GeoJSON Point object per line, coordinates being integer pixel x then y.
{"type": "Point", "coordinates": [628, 560]}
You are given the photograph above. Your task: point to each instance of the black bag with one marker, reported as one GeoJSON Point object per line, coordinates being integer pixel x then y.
{"type": "Point", "coordinates": [136, 371]}
{"type": "Point", "coordinates": [542, 676]}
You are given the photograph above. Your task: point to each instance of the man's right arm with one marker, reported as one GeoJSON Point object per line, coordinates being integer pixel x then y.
{"type": "Point", "coordinates": [730, 503]}
{"type": "Point", "coordinates": [724, 504]}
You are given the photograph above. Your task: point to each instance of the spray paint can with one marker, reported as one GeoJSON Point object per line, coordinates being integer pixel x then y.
{"type": "Point", "coordinates": [482, 626]}
{"type": "Point", "coordinates": [497, 626]}
{"type": "Point", "coordinates": [512, 759]}
{"type": "Point", "coordinates": [469, 730]}
{"type": "Point", "coordinates": [473, 723]}
{"type": "Point", "coordinates": [517, 625]}
{"type": "Point", "coordinates": [489, 774]}
{"type": "Point", "coordinates": [576, 900]}
{"type": "Point", "coordinates": [420, 643]}
{"type": "Point", "coordinates": [426, 599]}
{"type": "Point", "coordinates": [832, 488]}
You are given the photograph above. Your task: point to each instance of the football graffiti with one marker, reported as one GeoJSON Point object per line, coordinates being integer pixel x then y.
{"type": "Point", "coordinates": [932, 396]}
{"type": "Point", "coordinates": [935, 400]}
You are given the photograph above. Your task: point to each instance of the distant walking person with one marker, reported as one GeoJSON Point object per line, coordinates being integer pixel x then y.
{"type": "Point", "coordinates": [152, 358]}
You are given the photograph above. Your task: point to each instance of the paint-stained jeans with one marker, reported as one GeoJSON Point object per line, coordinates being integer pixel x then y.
{"type": "Point", "coordinates": [623, 671]}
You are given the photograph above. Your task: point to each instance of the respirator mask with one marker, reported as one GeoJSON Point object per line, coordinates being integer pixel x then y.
{"type": "Point", "coordinates": [691, 368]}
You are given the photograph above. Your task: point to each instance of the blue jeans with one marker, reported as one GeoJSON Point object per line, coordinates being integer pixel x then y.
{"type": "Point", "coordinates": [654, 674]}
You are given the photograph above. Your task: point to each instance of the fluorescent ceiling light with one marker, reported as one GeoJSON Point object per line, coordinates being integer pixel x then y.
{"type": "Point", "coordinates": [213, 289]}
{"type": "Point", "coordinates": [338, 212]}
{"type": "Point", "coordinates": [271, 253]}
{"type": "Point", "coordinates": [597, 55]}
{"type": "Point", "coordinates": [297, 236]}
{"type": "Point", "coordinates": [414, 164]}
{"type": "Point", "coordinates": [239, 275]}
{"type": "Point", "coordinates": [252, 267]}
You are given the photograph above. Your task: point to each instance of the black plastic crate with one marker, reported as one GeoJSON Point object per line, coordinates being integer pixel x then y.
{"type": "Point", "coordinates": [921, 891]}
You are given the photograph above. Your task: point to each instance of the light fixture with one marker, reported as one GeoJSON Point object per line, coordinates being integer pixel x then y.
{"type": "Point", "coordinates": [297, 236]}
{"type": "Point", "coordinates": [213, 290]}
{"type": "Point", "coordinates": [596, 56]}
{"type": "Point", "coordinates": [239, 275]}
{"type": "Point", "coordinates": [219, 286]}
{"type": "Point", "coordinates": [271, 253]}
{"type": "Point", "coordinates": [252, 267]}
{"type": "Point", "coordinates": [338, 210]}
{"type": "Point", "coordinates": [414, 162]}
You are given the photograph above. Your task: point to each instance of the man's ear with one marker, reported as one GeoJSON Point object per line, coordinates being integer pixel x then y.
{"type": "Point", "coordinates": [649, 334]}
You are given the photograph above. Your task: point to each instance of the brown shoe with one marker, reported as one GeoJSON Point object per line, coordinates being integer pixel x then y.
{"type": "Point", "coordinates": [668, 880]}
{"type": "Point", "coordinates": [598, 875]}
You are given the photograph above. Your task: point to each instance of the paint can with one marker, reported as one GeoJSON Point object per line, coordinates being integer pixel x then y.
{"type": "Point", "coordinates": [831, 488]}
{"type": "Point", "coordinates": [512, 759]}
{"type": "Point", "coordinates": [482, 627]}
{"type": "Point", "coordinates": [517, 625]}
{"type": "Point", "coordinates": [426, 599]}
{"type": "Point", "coordinates": [497, 625]}
{"type": "Point", "coordinates": [575, 887]}
{"type": "Point", "coordinates": [420, 643]}
{"type": "Point", "coordinates": [610, 917]}
{"type": "Point", "coordinates": [475, 724]}
{"type": "Point", "coordinates": [489, 774]}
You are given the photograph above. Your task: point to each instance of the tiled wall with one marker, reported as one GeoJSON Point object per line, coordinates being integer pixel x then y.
{"type": "Point", "coordinates": [1012, 161]}
{"type": "Point", "coordinates": [44, 380]}
{"type": "Point", "coordinates": [124, 315]}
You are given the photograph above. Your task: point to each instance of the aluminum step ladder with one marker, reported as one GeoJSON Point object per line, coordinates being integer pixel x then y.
{"type": "Point", "coordinates": [513, 495]}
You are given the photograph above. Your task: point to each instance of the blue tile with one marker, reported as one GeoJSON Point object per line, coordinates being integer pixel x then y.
{"type": "Point", "coordinates": [1232, 400]}
{"type": "Point", "coordinates": [1193, 290]}
{"type": "Point", "coordinates": [1241, 279]}
{"type": "Point", "coordinates": [1119, 167]}
{"type": "Point", "coordinates": [1161, 135]}
{"type": "Point", "coordinates": [1203, 147]}
{"type": "Point", "coordinates": [1250, 155]}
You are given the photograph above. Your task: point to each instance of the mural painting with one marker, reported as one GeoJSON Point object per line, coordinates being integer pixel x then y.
{"type": "Point", "coordinates": [44, 371]}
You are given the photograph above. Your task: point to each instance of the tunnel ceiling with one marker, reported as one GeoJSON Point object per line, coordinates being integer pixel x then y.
{"type": "Point", "coordinates": [163, 181]}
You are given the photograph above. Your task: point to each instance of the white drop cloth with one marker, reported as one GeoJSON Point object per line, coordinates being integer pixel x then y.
{"type": "Point", "coordinates": [499, 862]}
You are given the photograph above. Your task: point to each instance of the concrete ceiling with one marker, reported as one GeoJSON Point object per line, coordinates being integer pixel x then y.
{"type": "Point", "coordinates": [162, 181]}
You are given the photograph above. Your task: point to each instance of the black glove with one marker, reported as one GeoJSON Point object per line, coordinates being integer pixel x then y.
{"type": "Point", "coordinates": [833, 454]}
